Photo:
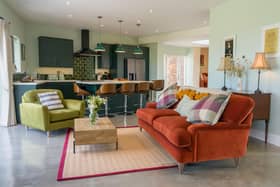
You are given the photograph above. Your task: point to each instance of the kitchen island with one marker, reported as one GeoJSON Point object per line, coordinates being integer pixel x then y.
{"type": "Point", "coordinates": [66, 86]}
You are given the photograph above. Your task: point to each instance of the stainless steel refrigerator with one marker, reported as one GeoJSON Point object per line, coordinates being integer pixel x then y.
{"type": "Point", "coordinates": [135, 69]}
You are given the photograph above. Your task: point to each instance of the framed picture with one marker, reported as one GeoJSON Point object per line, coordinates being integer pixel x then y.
{"type": "Point", "coordinates": [22, 50]}
{"type": "Point", "coordinates": [229, 46]}
{"type": "Point", "coordinates": [271, 40]}
{"type": "Point", "coordinates": [202, 60]}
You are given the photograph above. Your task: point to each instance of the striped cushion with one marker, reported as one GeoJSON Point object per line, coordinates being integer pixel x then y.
{"type": "Point", "coordinates": [51, 100]}
{"type": "Point", "coordinates": [209, 109]}
{"type": "Point", "coordinates": [168, 97]}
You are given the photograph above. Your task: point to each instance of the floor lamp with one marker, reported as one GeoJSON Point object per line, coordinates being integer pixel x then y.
{"type": "Point", "coordinates": [259, 63]}
{"type": "Point", "coordinates": [225, 65]}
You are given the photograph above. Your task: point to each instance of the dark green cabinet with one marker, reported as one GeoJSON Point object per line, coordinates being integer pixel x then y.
{"type": "Point", "coordinates": [55, 52]}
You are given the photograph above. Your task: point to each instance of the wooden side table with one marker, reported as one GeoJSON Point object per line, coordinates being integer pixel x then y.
{"type": "Point", "coordinates": [262, 107]}
{"type": "Point", "coordinates": [103, 132]}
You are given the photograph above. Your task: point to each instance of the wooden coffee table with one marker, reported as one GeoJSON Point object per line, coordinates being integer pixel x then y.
{"type": "Point", "coordinates": [103, 132]}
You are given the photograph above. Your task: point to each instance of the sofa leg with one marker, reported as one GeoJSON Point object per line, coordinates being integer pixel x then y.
{"type": "Point", "coordinates": [26, 128]}
{"type": "Point", "coordinates": [140, 129]}
{"type": "Point", "coordinates": [181, 167]}
{"type": "Point", "coordinates": [236, 162]}
{"type": "Point", "coordinates": [49, 133]}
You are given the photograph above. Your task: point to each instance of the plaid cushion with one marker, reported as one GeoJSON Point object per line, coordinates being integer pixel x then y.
{"type": "Point", "coordinates": [168, 97]}
{"type": "Point", "coordinates": [209, 109]}
{"type": "Point", "coordinates": [51, 100]}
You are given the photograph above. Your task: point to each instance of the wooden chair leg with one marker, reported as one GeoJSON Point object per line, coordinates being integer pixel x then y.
{"type": "Point", "coordinates": [236, 162]}
{"type": "Point", "coordinates": [181, 168]}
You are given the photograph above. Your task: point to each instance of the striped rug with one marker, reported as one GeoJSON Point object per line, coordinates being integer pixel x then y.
{"type": "Point", "coordinates": [136, 153]}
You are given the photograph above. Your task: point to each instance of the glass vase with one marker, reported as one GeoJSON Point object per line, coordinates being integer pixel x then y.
{"type": "Point", "coordinates": [93, 115]}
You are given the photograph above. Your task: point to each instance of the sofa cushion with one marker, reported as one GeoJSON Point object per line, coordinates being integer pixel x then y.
{"type": "Point", "coordinates": [149, 114]}
{"type": "Point", "coordinates": [63, 114]}
{"type": "Point", "coordinates": [174, 128]}
{"type": "Point", "coordinates": [185, 106]}
{"type": "Point", "coordinates": [168, 97]}
{"type": "Point", "coordinates": [209, 109]}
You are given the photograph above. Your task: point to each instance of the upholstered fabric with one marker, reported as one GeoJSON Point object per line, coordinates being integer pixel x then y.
{"type": "Point", "coordinates": [185, 106]}
{"type": "Point", "coordinates": [51, 100]}
{"type": "Point", "coordinates": [149, 114]}
{"type": "Point", "coordinates": [209, 109]}
{"type": "Point", "coordinates": [200, 142]}
{"type": "Point", "coordinates": [174, 128]}
{"type": "Point", "coordinates": [35, 115]}
{"type": "Point", "coordinates": [168, 97]}
{"type": "Point", "coordinates": [63, 114]}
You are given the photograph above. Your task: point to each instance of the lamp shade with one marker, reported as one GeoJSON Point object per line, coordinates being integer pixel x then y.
{"type": "Point", "coordinates": [137, 51]}
{"type": "Point", "coordinates": [120, 49]}
{"type": "Point", "coordinates": [225, 64]}
{"type": "Point", "coordinates": [99, 48]}
{"type": "Point", "coordinates": [260, 62]}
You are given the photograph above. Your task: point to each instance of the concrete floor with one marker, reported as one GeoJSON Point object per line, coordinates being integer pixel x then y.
{"type": "Point", "coordinates": [30, 158]}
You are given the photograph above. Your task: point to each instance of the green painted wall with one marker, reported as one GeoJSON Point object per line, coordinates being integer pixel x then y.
{"type": "Point", "coordinates": [246, 19]}
{"type": "Point", "coordinates": [34, 30]}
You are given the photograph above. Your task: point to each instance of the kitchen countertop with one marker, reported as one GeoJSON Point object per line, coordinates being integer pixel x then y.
{"type": "Point", "coordinates": [94, 82]}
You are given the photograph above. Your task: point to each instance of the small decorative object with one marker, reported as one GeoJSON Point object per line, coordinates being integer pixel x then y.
{"type": "Point", "coordinates": [94, 104]}
{"type": "Point", "coordinates": [271, 39]}
{"type": "Point", "coordinates": [259, 63]}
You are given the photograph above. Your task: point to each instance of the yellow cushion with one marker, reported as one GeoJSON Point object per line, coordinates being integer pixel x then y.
{"type": "Point", "coordinates": [63, 114]}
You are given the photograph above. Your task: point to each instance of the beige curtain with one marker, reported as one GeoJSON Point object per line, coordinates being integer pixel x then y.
{"type": "Point", "coordinates": [7, 106]}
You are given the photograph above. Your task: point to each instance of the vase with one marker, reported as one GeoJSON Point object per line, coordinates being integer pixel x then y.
{"type": "Point", "coordinates": [93, 115]}
{"type": "Point", "coordinates": [239, 86]}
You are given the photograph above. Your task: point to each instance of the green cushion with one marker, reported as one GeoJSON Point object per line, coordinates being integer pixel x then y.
{"type": "Point", "coordinates": [63, 114]}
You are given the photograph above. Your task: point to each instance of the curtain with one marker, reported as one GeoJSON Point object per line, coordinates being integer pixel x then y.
{"type": "Point", "coordinates": [7, 106]}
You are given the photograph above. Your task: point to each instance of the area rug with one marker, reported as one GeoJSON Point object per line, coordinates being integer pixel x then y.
{"type": "Point", "coordinates": [136, 152]}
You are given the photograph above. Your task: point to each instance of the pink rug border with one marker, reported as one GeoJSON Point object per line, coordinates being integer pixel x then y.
{"type": "Point", "coordinates": [63, 156]}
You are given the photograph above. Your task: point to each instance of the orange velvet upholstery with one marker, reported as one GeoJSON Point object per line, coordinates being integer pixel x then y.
{"type": "Point", "coordinates": [149, 114]}
{"type": "Point", "coordinates": [200, 142]}
{"type": "Point", "coordinates": [174, 128]}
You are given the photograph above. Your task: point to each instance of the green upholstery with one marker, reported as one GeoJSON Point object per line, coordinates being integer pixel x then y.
{"type": "Point", "coordinates": [34, 115]}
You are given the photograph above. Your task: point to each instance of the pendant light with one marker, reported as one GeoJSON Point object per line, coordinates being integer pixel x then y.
{"type": "Point", "coordinates": [99, 47]}
{"type": "Point", "coordinates": [138, 50]}
{"type": "Point", "coordinates": [120, 48]}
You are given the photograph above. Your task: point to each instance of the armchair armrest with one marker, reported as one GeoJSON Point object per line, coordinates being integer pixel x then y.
{"type": "Point", "coordinates": [75, 105]}
{"type": "Point", "coordinates": [34, 115]}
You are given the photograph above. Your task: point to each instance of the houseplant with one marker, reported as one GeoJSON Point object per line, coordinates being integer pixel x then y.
{"type": "Point", "coordinates": [94, 104]}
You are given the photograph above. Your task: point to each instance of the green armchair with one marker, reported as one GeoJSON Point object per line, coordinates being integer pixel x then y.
{"type": "Point", "coordinates": [35, 115]}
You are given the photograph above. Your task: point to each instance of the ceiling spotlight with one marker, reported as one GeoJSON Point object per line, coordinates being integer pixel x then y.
{"type": "Point", "coordinates": [102, 25]}
{"type": "Point", "coordinates": [151, 11]}
{"type": "Point", "coordinates": [69, 15]}
{"type": "Point", "coordinates": [68, 3]}
{"type": "Point", "coordinates": [138, 21]}
{"type": "Point", "coordinates": [156, 30]}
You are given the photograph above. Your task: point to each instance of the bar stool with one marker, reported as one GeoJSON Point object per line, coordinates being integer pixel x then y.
{"type": "Point", "coordinates": [105, 91]}
{"type": "Point", "coordinates": [126, 89]}
{"type": "Point", "coordinates": [142, 88]}
{"type": "Point", "coordinates": [156, 85]}
{"type": "Point", "coordinates": [79, 91]}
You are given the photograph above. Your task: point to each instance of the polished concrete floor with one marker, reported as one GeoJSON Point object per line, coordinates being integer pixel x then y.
{"type": "Point", "coordinates": [30, 158]}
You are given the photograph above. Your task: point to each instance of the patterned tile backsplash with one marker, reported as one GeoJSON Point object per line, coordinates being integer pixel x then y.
{"type": "Point", "coordinates": [84, 68]}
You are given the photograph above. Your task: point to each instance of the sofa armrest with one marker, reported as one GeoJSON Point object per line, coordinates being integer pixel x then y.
{"type": "Point", "coordinates": [34, 115]}
{"type": "Point", "coordinates": [221, 141]}
{"type": "Point", "coordinates": [151, 105]}
{"type": "Point", "coordinates": [75, 105]}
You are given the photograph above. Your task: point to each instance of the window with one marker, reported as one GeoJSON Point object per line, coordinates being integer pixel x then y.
{"type": "Point", "coordinates": [16, 53]}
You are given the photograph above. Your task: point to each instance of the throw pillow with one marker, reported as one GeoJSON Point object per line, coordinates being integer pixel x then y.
{"type": "Point", "coordinates": [209, 109]}
{"type": "Point", "coordinates": [185, 106]}
{"type": "Point", "coordinates": [168, 97]}
{"type": "Point", "coordinates": [51, 100]}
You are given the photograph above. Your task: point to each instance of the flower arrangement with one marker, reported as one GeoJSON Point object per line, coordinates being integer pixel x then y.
{"type": "Point", "coordinates": [94, 104]}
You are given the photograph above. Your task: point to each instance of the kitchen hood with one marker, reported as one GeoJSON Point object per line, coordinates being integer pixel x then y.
{"type": "Point", "coordinates": [85, 51]}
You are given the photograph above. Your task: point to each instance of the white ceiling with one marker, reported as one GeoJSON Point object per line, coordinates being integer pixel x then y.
{"type": "Point", "coordinates": [166, 16]}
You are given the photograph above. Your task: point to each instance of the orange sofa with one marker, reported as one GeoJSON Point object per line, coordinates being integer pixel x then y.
{"type": "Point", "coordinates": [188, 143]}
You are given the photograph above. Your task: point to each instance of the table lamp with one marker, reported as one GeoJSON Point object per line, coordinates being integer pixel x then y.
{"type": "Point", "coordinates": [225, 65]}
{"type": "Point", "coordinates": [259, 63]}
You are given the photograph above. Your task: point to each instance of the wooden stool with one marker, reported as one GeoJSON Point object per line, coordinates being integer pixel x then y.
{"type": "Point", "coordinates": [105, 91]}
{"type": "Point", "coordinates": [79, 91]}
{"type": "Point", "coordinates": [142, 88]}
{"type": "Point", "coordinates": [126, 89]}
{"type": "Point", "coordinates": [156, 85]}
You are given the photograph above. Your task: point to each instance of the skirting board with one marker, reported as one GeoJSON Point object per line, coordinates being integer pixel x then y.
{"type": "Point", "coordinates": [272, 138]}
